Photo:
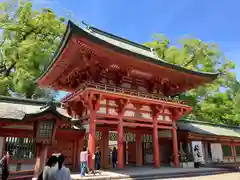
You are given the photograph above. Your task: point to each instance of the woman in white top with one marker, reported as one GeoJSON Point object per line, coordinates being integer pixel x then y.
{"type": "Point", "coordinates": [62, 172]}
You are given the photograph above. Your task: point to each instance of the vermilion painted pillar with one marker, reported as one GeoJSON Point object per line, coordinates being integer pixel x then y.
{"type": "Point", "coordinates": [120, 136]}
{"type": "Point", "coordinates": [156, 143]}
{"type": "Point", "coordinates": [120, 144]}
{"type": "Point", "coordinates": [175, 146]}
{"type": "Point", "coordinates": [105, 149]}
{"type": "Point", "coordinates": [91, 140]}
{"type": "Point", "coordinates": [139, 151]}
{"type": "Point", "coordinates": [41, 159]}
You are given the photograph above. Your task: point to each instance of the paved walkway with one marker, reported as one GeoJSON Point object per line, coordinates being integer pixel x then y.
{"type": "Point", "coordinates": [228, 176]}
{"type": "Point", "coordinates": [144, 172]}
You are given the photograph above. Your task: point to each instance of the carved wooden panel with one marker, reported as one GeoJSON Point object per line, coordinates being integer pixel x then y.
{"type": "Point", "coordinates": [98, 135]}
{"type": "Point", "coordinates": [147, 138]}
{"type": "Point", "coordinates": [131, 106]}
{"type": "Point", "coordinates": [164, 118]}
{"type": "Point", "coordinates": [126, 85]}
{"type": "Point", "coordinates": [112, 103]}
{"type": "Point", "coordinates": [112, 111]}
{"type": "Point", "coordinates": [113, 136]}
{"type": "Point", "coordinates": [103, 102]}
{"type": "Point", "coordinates": [102, 110]}
{"type": "Point", "coordinates": [129, 113]}
{"type": "Point", "coordinates": [145, 108]}
{"type": "Point", "coordinates": [130, 137]}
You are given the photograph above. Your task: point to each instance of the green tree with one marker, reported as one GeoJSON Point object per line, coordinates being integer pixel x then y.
{"type": "Point", "coordinates": [28, 39]}
{"type": "Point", "coordinates": [216, 102]}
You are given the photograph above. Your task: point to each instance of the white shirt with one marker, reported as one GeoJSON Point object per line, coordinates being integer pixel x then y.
{"type": "Point", "coordinates": [63, 173]}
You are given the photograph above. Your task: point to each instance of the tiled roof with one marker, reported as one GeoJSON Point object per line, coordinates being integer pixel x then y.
{"type": "Point", "coordinates": [121, 45]}
{"type": "Point", "coordinates": [209, 129]}
{"type": "Point", "coordinates": [17, 109]}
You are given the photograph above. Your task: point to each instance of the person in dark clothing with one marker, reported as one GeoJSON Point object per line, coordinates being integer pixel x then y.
{"type": "Point", "coordinates": [197, 155]}
{"type": "Point", "coordinates": [114, 157]}
{"type": "Point", "coordinates": [98, 159]}
{"type": "Point", "coordinates": [5, 165]}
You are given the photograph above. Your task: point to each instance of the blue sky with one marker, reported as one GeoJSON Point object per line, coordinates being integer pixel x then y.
{"type": "Point", "coordinates": [138, 20]}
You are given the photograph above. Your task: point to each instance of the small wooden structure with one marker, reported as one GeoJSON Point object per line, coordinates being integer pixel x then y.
{"type": "Point", "coordinates": [118, 85]}
{"type": "Point", "coordinates": [36, 129]}
{"type": "Point", "coordinates": [220, 143]}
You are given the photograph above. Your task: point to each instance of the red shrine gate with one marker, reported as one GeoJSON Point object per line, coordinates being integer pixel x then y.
{"type": "Point", "coordinates": [125, 113]}
{"type": "Point", "coordinates": [118, 85]}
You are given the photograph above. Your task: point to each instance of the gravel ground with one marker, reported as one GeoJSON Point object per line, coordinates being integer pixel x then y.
{"type": "Point", "coordinates": [229, 176]}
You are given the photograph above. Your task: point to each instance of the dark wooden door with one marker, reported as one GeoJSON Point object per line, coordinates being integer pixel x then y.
{"type": "Point", "coordinates": [131, 152]}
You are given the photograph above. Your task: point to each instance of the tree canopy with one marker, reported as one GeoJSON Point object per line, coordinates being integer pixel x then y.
{"type": "Point", "coordinates": [217, 102]}
{"type": "Point", "coordinates": [28, 38]}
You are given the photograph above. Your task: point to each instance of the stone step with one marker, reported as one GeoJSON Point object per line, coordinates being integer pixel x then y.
{"type": "Point", "coordinates": [155, 175]}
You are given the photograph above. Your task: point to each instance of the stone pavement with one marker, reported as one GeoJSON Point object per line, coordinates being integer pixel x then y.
{"type": "Point", "coordinates": [146, 172]}
{"type": "Point", "coordinates": [227, 176]}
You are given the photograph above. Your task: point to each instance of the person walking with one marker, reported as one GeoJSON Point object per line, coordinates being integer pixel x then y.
{"type": "Point", "coordinates": [84, 161]}
{"type": "Point", "coordinates": [62, 172]}
{"type": "Point", "coordinates": [114, 157]}
{"type": "Point", "coordinates": [97, 158]}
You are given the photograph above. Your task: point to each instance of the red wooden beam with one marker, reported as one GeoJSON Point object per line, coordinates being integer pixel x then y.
{"type": "Point", "coordinates": [164, 127]}
{"type": "Point", "coordinates": [69, 134]}
{"type": "Point", "coordinates": [7, 132]}
{"type": "Point", "coordinates": [138, 99]}
{"type": "Point", "coordinates": [164, 122]}
{"type": "Point", "coordinates": [137, 119]}
{"type": "Point", "coordinates": [106, 121]}
{"type": "Point", "coordinates": [128, 124]}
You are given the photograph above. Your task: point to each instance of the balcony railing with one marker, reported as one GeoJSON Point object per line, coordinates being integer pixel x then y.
{"type": "Point", "coordinates": [131, 92]}
{"type": "Point", "coordinates": [127, 91]}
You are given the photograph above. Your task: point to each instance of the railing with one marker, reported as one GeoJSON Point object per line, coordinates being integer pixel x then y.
{"type": "Point", "coordinates": [128, 91]}
{"type": "Point", "coordinates": [121, 90]}
{"type": "Point", "coordinates": [21, 175]}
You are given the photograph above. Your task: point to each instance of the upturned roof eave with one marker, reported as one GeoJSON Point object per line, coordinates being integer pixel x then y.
{"type": "Point", "coordinates": [47, 110]}
{"type": "Point", "coordinates": [74, 29]}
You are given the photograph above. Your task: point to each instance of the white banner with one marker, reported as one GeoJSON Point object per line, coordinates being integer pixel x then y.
{"type": "Point", "coordinates": [217, 153]}
{"type": "Point", "coordinates": [197, 150]}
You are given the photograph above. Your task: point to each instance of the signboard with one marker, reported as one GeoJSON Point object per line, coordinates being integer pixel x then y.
{"type": "Point", "coordinates": [217, 153]}
{"type": "Point", "coordinates": [197, 150]}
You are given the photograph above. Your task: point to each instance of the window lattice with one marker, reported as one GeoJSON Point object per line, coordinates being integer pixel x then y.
{"type": "Point", "coordinates": [98, 135]}
{"type": "Point", "coordinates": [147, 138]}
{"type": "Point", "coordinates": [113, 136]}
{"type": "Point", "coordinates": [130, 137]}
{"type": "Point", "coordinates": [45, 130]}
{"type": "Point", "coordinates": [23, 148]}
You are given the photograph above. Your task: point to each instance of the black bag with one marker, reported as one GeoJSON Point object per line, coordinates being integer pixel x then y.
{"type": "Point", "coordinates": [40, 177]}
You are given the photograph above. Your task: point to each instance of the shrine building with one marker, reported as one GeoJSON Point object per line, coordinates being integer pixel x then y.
{"type": "Point", "coordinates": [120, 86]}
{"type": "Point", "coordinates": [19, 118]}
